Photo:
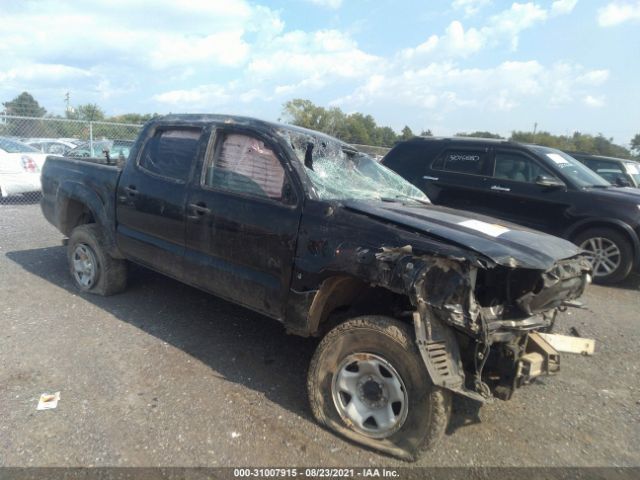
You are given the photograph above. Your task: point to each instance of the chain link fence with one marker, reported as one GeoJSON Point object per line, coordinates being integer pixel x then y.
{"type": "Point", "coordinates": [25, 143]}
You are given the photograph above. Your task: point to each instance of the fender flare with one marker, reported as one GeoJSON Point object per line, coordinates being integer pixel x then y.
{"type": "Point", "coordinates": [69, 191]}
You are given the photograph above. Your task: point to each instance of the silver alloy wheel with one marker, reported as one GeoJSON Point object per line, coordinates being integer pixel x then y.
{"type": "Point", "coordinates": [85, 266]}
{"type": "Point", "coordinates": [370, 395]}
{"type": "Point", "coordinates": [604, 255]}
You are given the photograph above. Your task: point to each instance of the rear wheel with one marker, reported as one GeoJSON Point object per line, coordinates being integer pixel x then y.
{"type": "Point", "coordinates": [92, 268]}
{"type": "Point", "coordinates": [610, 254]}
{"type": "Point", "coordinates": [367, 381]}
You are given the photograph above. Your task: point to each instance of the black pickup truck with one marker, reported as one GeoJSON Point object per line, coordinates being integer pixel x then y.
{"type": "Point", "coordinates": [413, 302]}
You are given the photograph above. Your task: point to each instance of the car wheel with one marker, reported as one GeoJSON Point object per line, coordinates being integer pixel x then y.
{"type": "Point", "coordinates": [610, 254]}
{"type": "Point", "coordinates": [368, 382]}
{"type": "Point", "coordinates": [92, 268]}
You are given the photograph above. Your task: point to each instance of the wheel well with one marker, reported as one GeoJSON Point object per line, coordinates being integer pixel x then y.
{"type": "Point", "coordinates": [343, 297]}
{"type": "Point", "coordinates": [76, 213]}
{"type": "Point", "coordinates": [607, 225]}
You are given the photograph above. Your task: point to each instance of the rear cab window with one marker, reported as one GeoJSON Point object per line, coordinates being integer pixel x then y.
{"type": "Point", "coordinates": [171, 152]}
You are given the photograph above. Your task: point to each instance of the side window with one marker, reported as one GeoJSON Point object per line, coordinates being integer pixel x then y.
{"type": "Point", "coordinates": [600, 165]}
{"type": "Point", "coordinates": [462, 161]}
{"type": "Point", "coordinates": [170, 152]}
{"type": "Point", "coordinates": [244, 164]}
{"type": "Point", "coordinates": [55, 149]}
{"type": "Point", "coordinates": [517, 167]}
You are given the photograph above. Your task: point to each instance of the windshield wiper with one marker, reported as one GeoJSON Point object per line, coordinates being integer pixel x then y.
{"type": "Point", "coordinates": [397, 198]}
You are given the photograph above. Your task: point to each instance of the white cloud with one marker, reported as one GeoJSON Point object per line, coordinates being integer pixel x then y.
{"type": "Point", "coordinates": [454, 43]}
{"type": "Point", "coordinates": [594, 77]}
{"type": "Point", "coordinates": [52, 72]}
{"type": "Point", "coordinates": [193, 32]}
{"type": "Point", "coordinates": [444, 86]}
{"type": "Point", "coordinates": [503, 28]}
{"type": "Point", "coordinates": [562, 7]}
{"type": "Point", "coordinates": [595, 102]}
{"type": "Point", "coordinates": [300, 55]}
{"type": "Point", "coordinates": [470, 7]}
{"type": "Point", "coordinates": [333, 4]}
{"type": "Point", "coordinates": [618, 12]}
{"type": "Point", "coordinates": [226, 48]}
{"type": "Point", "coordinates": [209, 96]}
{"type": "Point", "coordinates": [238, 56]}
{"type": "Point", "coordinates": [508, 24]}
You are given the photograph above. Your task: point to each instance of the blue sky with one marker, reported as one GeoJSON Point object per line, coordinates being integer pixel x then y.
{"type": "Point", "coordinates": [449, 66]}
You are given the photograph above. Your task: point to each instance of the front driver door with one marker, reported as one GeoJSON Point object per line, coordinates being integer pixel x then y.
{"type": "Point", "coordinates": [242, 222]}
{"type": "Point", "coordinates": [514, 195]}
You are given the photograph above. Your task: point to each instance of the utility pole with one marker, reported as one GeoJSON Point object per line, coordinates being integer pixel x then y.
{"type": "Point", "coordinates": [535, 127]}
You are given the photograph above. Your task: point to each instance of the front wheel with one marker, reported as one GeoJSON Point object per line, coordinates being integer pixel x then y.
{"type": "Point", "coordinates": [610, 254]}
{"type": "Point", "coordinates": [367, 381]}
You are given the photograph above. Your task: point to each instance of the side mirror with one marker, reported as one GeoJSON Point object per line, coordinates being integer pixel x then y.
{"type": "Point", "coordinates": [622, 182]}
{"type": "Point", "coordinates": [549, 182]}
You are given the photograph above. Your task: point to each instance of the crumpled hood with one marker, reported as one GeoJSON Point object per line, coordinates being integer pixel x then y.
{"type": "Point", "coordinates": [504, 243]}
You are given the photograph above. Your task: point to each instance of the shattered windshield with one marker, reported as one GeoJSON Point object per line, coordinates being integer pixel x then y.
{"type": "Point", "coordinates": [339, 173]}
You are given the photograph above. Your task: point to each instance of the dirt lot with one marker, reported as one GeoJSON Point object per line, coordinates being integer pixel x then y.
{"type": "Point", "coordinates": [167, 375]}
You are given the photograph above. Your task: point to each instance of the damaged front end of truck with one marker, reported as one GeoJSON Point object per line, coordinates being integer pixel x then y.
{"type": "Point", "coordinates": [475, 292]}
{"type": "Point", "coordinates": [476, 324]}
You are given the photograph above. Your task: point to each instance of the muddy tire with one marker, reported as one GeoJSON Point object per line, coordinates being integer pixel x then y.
{"type": "Point", "coordinates": [367, 381]}
{"type": "Point", "coordinates": [92, 268]}
{"type": "Point", "coordinates": [611, 254]}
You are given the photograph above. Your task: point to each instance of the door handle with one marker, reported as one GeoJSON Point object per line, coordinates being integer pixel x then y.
{"type": "Point", "coordinates": [427, 177]}
{"type": "Point", "coordinates": [131, 190]}
{"type": "Point", "coordinates": [500, 189]}
{"type": "Point", "coordinates": [200, 208]}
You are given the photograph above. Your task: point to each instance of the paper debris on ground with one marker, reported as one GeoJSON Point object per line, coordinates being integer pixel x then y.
{"type": "Point", "coordinates": [48, 401]}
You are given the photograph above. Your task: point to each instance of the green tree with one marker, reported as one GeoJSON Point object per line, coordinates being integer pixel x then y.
{"type": "Point", "coordinates": [426, 133]}
{"type": "Point", "coordinates": [353, 128]}
{"type": "Point", "coordinates": [406, 133]}
{"type": "Point", "coordinates": [578, 142]}
{"type": "Point", "coordinates": [387, 136]}
{"type": "Point", "coordinates": [635, 144]}
{"type": "Point", "coordinates": [90, 112]}
{"type": "Point", "coordinates": [24, 105]}
{"type": "Point", "coordinates": [133, 118]}
{"type": "Point", "coordinates": [478, 134]}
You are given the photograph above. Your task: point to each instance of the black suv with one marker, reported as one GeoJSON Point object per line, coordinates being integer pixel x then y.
{"type": "Point", "coordinates": [618, 171]}
{"type": "Point", "coordinates": [535, 186]}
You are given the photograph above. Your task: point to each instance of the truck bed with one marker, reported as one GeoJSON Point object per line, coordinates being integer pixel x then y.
{"type": "Point", "coordinates": [65, 180]}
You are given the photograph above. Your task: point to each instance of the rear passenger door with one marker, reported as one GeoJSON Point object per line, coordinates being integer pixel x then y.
{"type": "Point", "coordinates": [243, 212]}
{"type": "Point", "coordinates": [151, 199]}
{"type": "Point", "coordinates": [458, 177]}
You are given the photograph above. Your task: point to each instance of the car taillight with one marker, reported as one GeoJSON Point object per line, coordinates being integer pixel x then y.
{"type": "Point", "coordinates": [29, 165]}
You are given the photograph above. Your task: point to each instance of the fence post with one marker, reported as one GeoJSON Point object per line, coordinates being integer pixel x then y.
{"type": "Point", "coordinates": [91, 138]}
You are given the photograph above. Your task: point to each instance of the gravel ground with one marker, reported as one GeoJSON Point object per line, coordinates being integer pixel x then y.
{"type": "Point", "coordinates": [165, 375]}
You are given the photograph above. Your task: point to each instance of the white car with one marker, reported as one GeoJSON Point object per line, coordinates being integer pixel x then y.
{"type": "Point", "coordinates": [51, 146]}
{"type": "Point", "coordinates": [20, 167]}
